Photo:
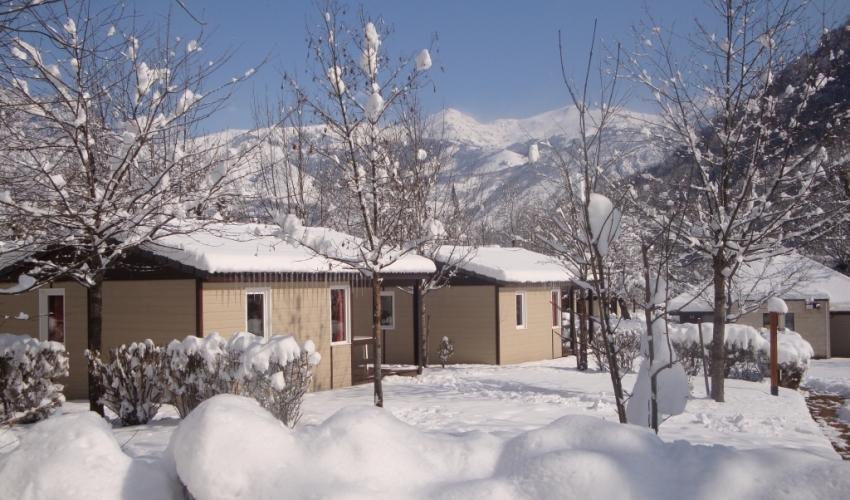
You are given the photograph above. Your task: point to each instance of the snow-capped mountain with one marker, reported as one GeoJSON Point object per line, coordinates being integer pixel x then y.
{"type": "Point", "coordinates": [496, 153]}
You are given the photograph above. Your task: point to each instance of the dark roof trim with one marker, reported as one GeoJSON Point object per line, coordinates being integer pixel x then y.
{"type": "Point", "coordinates": [473, 274]}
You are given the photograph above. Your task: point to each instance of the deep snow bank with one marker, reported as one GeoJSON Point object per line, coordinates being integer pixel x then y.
{"type": "Point", "coordinates": [229, 447]}
{"type": "Point", "coordinates": [76, 456]}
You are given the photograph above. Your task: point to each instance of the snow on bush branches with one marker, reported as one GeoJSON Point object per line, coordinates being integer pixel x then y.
{"type": "Point", "coordinates": [747, 352]}
{"type": "Point", "coordinates": [28, 369]}
{"type": "Point", "coordinates": [139, 378]}
{"type": "Point", "coordinates": [275, 372]}
{"type": "Point", "coordinates": [130, 380]}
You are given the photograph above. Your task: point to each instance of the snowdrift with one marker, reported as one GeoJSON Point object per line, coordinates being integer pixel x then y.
{"type": "Point", "coordinates": [229, 447]}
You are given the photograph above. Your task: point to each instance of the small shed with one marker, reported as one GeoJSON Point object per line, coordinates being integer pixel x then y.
{"type": "Point", "coordinates": [502, 307]}
{"type": "Point", "coordinates": [818, 301]}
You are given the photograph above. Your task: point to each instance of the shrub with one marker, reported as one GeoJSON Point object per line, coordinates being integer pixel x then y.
{"type": "Point", "coordinates": [445, 351]}
{"type": "Point", "coordinates": [28, 369]}
{"type": "Point", "coordinates": [130, 381]}
{"type": "Point", "coordinates": [627, 338]}
{"type": "Point", "coordinates": [747, 352]}
{"type": "Point", "coordinates": [277, 372]}
{"type": "Point", "coordinates": [195, 370]}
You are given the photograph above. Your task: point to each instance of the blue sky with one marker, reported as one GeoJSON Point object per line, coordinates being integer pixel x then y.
{"type": "Point", "coordinates": [499, 59]}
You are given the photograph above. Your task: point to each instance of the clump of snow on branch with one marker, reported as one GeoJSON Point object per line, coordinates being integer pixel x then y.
{"type": "Point", "coordinates": [423, 60]}
{"type": "Point", "coordinates": [672, 388]}
{"type": "Point", "coordinates": [334, 75]}
{"type": "Point", "coordinates": [603, 226]}
{"type": "Point", "coordinates": [374, 106]}
{"type": "Point", "coordinates": [533, 153]}
{"type": "Point", "coordinates": [25, 282]}
{"type": "Point", "coordinates": [369, 57]}
{"type": "Point", "coordinates": [28, 372]}
{"type": "Point", "coordinates": [421, 155]}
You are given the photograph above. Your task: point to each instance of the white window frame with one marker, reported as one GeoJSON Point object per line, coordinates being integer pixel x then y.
{"type": "Point", "coordinates": [347, 290]}
{"type": "Point", "coordinates": [42, 311]}
{"type": "Point", "coordinates": [560, 312]}
{"type": "Point", "coordinates": [524, 325]}
{"type": "Point", "coordinates": [267, 308]}
{"type": "Point", "coordinates": [391, 295]}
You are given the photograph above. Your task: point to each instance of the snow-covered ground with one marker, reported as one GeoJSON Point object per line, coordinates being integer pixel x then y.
{"type": "Point", "coordinates": [829, 376]}
{"type": "Point", "coordinates": [536, 430]}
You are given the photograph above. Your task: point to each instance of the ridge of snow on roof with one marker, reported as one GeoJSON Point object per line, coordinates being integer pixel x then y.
{"type": "Point", "coordinates": [256, 248]}
{"type": "Point", "coordinates": [512, 265]}
{"type": "Point", "coordinates": [761, 278]}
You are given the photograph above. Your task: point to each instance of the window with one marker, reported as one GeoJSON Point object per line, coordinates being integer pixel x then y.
{"type": "Point", "coordinates": [520, 311]}
{"type": "Point", "coordinates": [51, 312]}
{"type": "Point", "coordinates": [789, 321]}
{"type": "Point", "coordinates": [257, 311]}
{"type": "Point", "coordinates": [556, 309]}
{"type": "Point", "coordinates": [388, 310]}
{"type": "Point", "coordinates": [340, 317]}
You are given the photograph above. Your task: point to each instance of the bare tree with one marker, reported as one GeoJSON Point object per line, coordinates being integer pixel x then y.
{"type": "Point", "coordinates": [359, 103]}
{"type": "Point", "coordinates": [732, 113]}
{"type": "Point", "coordinates": [97, 147]}
{"type": "Point", "coordinates": [588, 221]}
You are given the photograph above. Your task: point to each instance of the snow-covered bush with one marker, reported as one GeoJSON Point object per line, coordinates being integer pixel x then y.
{"type": "Point", "coordinates": [747, 352]}
{"type": "Point", "coordinates": [627, 342]}
{"type": "Point", "coordinates": [195, 370]}
{"type": "Point", "coordinates": [28, 370]}
{"type": "Point", "coordinates": [445, 351]}
{"type": "Point", "coordinates": [277, 372]}
{"type": "Point", "coordinates": [130, 380]}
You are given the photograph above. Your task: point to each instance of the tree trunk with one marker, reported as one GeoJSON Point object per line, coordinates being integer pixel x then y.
{"type": "Point", "coordinates": [581, 355]}
{"type": "Point", "coordinates": [376, 334]}
{"type": "Point", "coordinates": [423, 336]}
{"type": "Point", "coordinates": [95, 336]}
{"type": "Point", "coordinates": [718, 337]}
{"type": "Point", "coordinates": [607, 332]}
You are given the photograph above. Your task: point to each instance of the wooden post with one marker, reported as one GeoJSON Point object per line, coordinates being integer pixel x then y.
{"type": "Point", "coordinates": [774, 355]}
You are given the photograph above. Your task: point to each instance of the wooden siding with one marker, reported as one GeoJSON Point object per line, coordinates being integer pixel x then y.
{"type": "Point", "coordinates": [76, 330]}
{"type": "Point", "coordinates": [160, 310]}
{"type": "Point", "coordinates": [811, 324]}
{"type": "Point", "coordinates": [467, 315]}
{"type": "Point", "coordinates": [538, 340]}
{"type": "Point", "coordinates": [839, 334]}
{"type": "Point", "coordinates": [299, 309]}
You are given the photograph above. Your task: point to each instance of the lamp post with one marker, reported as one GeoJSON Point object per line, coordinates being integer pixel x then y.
{"type": "Point", "coordinates": [775, 307]}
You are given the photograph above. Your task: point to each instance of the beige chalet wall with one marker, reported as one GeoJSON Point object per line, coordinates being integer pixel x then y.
{"type": "Point", "coordinates": [160, 310]}
{"type": "Point", "coordinates": [398, 342]}
{"type": "Point", "coordinates": [536, 341]}
{"type": "Point", "coordinates": [300, 309]}
{"type": "Point", "coordinates": [76, 330]}
{"type": "Point", "coordinates": [811, 324]}
{"type": "Point", "coordinates": [467, 315]}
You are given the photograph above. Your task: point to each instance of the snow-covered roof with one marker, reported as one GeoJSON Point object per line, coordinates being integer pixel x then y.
{"type": "Point", "coordinates": [790, 276]}
{"type": "Point", "coordinates": [509, 265]}
{"type": "Point", "coordinates": [256, 248]}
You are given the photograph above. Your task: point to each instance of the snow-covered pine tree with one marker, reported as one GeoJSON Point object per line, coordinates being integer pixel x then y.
{"type": "Point", "coordinates": [740, 125]}
{"type": "Point", "coordinates": [97, 150]}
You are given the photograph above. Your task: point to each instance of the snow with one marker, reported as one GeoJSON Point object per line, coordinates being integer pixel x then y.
{"type": "Point", "coordinates": [76, 456]}
{"type": "Point", "coordinates": [510, 265]}
{"type": "Point", "coordinates": [830, 376]}
{"type": "Point", "coordinates": [374, 106]}
{"type": "Point", "coordinates": [421, 155]}
{"type": "Point", "coordinates": [423, 60]}
{"type": "Point", "coordinates": [533, 153]}
{"type": "Point", "coordinates": [790, 277]}
{"type": "Point", "coordinates": [791, 346]}
{"type": "Point", "coordinates": [25, 282]}
{"type": "Point", "coordinates": [777, 305]}
{"type": "Point", "coordinates": [604, 222]}
{"type": "Point", "coordinates": [535, 430]}
{"type": "Point", "coordinates": [247, 248]}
